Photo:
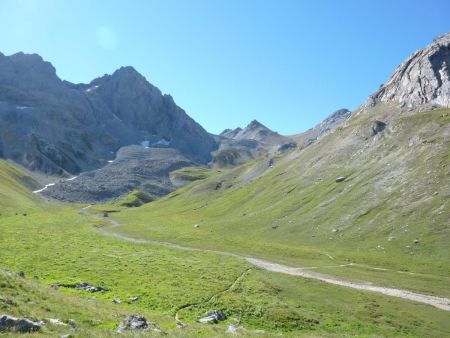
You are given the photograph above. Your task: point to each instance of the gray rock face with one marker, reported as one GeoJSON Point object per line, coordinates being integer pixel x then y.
{"type": "Point", "coordinates": [23, 325]}
{"type": "Point", "coordinates": [136, 167]}
{"type": "Point", "coordinates": [424, 78]}
{"type": "Point", "coordinates": [57, 127]}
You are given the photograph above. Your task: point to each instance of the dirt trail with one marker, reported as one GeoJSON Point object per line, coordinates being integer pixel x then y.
{"type": "Point", "coordinates": [438, 302]}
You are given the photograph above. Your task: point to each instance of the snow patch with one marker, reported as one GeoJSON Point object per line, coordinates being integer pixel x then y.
{"type": "Point", "coordinates": [110, 161]}
{"type": "Point", "coordinates": [22, 107]}
{"type": "Point", "coordinates": [145, 143]}
{"type": "Point", "coordinates": [45, 187]}
{"type": "Point", "coordinates": [72, 178]}
{"type": "Point", "coordinates": [90, 89]}
{"type": "Point", "coordinates": [162, 142]}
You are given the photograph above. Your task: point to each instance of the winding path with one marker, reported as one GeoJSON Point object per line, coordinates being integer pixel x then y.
{"type": "Point", "coordinates": [438, 302]}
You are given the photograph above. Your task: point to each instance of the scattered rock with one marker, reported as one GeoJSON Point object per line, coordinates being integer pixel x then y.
{"type": "Point", "coordinates": [21, 274]}
{"type": "Point", "coordinates": [116, 300]}
{"type": "Point", "coordinates": [134, 299]}
{"type": "Point", "coordinates": [232, 329]}
{"type": "Point", "coordinates": [378, 127]}
{"type": "Point", "coordinates": [6, 301]}
{"type": "Point", "coordinates": [391, 238]}
{"type": "Point", "coordinates": [133, 322]}
{"type": "Point", "coordinates": [335, 231]}
{"type": "Point", "coordinates": [341, 179]}
{"type": "Point", "coordinates": [105, 214]}
{"type": "Point", "coordinates": [275, 226]}
{"type": "Point", "coordinates": [196, 225]}
{"type": "Point", "coordinates": [213, 317]}
{"type": "Point", "coordinates": [218, 186]}
{"type": "Point", "coordinates": [81, 286]}
{"type": "Point", "coordinates": [56, 321]}
{"type": "Point", "coordinates": [181, 325]}
{"type": "Point", "coordinates": [8, 323]}
{"type": "Point", "coordinates": [416, 241]}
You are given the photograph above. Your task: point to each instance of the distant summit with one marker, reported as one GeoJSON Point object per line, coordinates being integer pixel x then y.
{"type": "Point", "coordinates": [256, 131]}
{"type": "Point", "coordinates": [423, 79]}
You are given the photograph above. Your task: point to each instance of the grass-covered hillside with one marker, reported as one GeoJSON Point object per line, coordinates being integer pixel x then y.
{"type": "Point", "coordinates": [391, 212]}
{"type": "Point", "coordinates": [15, 190]}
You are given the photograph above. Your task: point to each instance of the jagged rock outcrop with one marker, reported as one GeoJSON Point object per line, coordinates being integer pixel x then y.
{"type": "Point", "coordinates": [58, 127]}
{"type": "Point", "coordinates": [423, 79]}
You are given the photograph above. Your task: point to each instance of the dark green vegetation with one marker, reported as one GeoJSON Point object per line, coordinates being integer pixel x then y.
{"type": "Point", "coordinates": [396, 191]}
{"type": "Point", "coordinates": [136, 198]}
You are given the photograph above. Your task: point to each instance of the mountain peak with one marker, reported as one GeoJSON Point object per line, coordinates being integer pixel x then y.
{"type": "Point", "coordinates": [255, 124]}
{"type": "Point", "coordinates": [423, 79]}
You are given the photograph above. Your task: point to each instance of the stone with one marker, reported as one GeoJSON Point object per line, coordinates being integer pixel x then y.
{"type": "Point", "coordinates": [81, 286]}
{"type": "Point", "coordinates": [133, 322]}
{"type": "Point", "coordinates": [416, 241]}
{"type": "Point", "coordinates": [378, 127]}
{"type": "Point", "coordinates": [134, 299]}
{"type": "Point", "coordinates": [213, 317]}
{"type": "Point", "coordinates": [116, 300]}
{"type": "Point", "coordinates": [197, 226]}
{"type": "Point", "coordinates": [341, 179]}
{"type": "Point", "coordinates": [23, 325]}
{"type": "Point", "coordinates": [232, 329]}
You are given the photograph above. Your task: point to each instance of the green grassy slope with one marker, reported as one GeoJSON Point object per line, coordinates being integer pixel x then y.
{"type": "Point", "coordinates": [396, 191]}
{"type": "Point", "coordinates": [15, 186]}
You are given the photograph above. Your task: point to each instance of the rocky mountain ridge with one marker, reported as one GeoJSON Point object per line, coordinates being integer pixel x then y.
{"type": "Point", "coordinates": [60, 128]}
{"type": "Point", "coordinates": [421, 80]}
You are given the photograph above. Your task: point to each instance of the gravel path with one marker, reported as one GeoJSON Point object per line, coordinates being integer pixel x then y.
{"type": "Point", "coordinates": [438, 302]}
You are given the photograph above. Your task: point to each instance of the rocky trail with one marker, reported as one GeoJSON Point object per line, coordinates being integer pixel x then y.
{"type": "Point", "coordinates": [438, 302]}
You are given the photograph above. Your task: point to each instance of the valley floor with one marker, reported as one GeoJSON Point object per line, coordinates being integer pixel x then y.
{"type": "Point", "coordinates": [60, 244]}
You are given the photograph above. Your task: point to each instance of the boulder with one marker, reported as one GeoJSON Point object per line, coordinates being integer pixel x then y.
{"type": "Point", "coordinates": [213, 317]}
{"type": "Point", "coordinates": [133, 322]}
{"type": "Point", "coordinates": [81, 286]}
{"type": "Point", "coordinates": [12, 324]}
{"type": "Point", "coordinates": [378, 127]}
{"type": "Point", "coordinates": [341, 179]}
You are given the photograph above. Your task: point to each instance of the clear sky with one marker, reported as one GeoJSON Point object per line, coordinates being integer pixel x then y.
{"type": "Point", "coordinates": [288, 64]}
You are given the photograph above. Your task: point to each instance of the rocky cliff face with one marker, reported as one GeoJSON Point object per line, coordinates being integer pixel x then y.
{"type": "Point", "coordinates": [423, 79]}
{"type": "Point", "coordinates": [57, 127]}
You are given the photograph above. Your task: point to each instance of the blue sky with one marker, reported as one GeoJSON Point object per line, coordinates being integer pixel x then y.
{"type": "Point", "coordinates": [288, 64]}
